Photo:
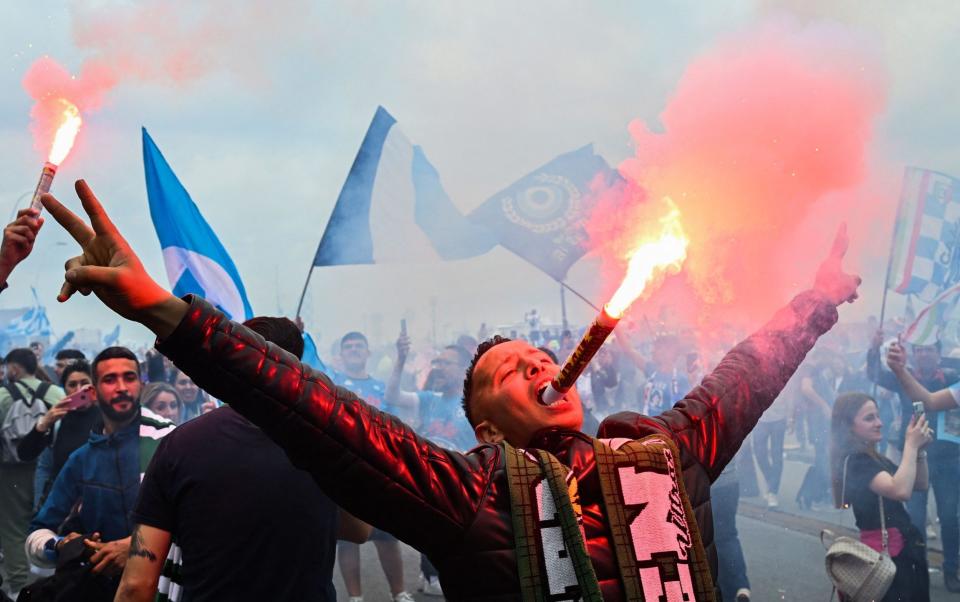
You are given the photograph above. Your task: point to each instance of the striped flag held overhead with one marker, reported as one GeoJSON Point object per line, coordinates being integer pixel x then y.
{"type": "Point", "coordinates": [934, 318]}
{"type": "Point", "coordinates": [926, 244]}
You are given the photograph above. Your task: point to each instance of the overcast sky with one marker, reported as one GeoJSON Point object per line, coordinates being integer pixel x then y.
{"type": "Point", "coordinates": [490, 90]}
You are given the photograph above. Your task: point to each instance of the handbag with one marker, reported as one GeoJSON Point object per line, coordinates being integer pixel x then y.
{"type": "Point", "coordinates": [856, 569]}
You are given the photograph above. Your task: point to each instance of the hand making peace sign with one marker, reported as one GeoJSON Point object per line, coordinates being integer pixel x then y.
{"type": "Point", "coordinates": [109, 268]}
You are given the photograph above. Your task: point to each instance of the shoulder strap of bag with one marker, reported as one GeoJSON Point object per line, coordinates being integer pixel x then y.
{"type": "Point", "coordinates": [41, 392]}
{"type": "Point", "coordinates": [843, 483]}
{"type": "Point", "coordinates": [884, 535]}
{"type": "Point", "coordinates": [14, 390]}
{"type": "Point", "coordinates": [883, 526]}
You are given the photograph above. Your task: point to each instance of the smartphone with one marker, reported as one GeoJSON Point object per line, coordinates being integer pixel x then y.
{"type": "Point", "coordinates": [78, 400]}
{"type": "Point", "coordinates": [403, 327]}
{"type": "Point", "coordinates": [917, 409]}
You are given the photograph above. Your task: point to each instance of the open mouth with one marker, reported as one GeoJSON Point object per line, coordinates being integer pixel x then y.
{"type": "Point", "coordinates": [556, 404]}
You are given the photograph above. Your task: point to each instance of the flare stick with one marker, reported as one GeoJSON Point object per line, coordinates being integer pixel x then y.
{"type": "Point", "coordinates": [43, 186]}
{"type": "Point", "coordinates": [577, 362]}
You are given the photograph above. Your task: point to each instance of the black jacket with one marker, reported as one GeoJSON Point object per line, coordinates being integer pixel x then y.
{"type": "Point", "coordinates": [456, 507]}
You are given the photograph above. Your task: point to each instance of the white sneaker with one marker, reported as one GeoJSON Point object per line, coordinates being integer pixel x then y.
{"type": "Point", "coordinates": [772, 501]}
{"type": "Point", "coordinates": [355, 599]}
{"type": "Point", "coordinates": [743, 595]}
{"type": "Point", "coordinates": [403, 597]}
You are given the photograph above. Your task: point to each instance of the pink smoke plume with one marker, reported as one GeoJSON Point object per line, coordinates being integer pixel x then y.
{"type": "Point", "coordinates": [760, 132]}
{"type": "Point", "coordinates": [169, 42]}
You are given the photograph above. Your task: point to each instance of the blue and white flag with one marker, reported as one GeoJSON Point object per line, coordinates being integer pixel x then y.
{"type": "Point", "coordinates": [196, 261]}
{"type": "Point", "coordinates": [51, 353]}
{"type": "Point", "coordinates": [540, 216]}
{"type": "Point", "coordinates": [31, 323]}
{"type": "Point", "coordinates": [392, 208]}
{"type": "Point", "coordinates": [111, 338]}
{"type": "Point", "coordinates": [942, 314]}
{"type": "Point", "coordinates": [310, 355]}
{"type": "Point", "coordinates": [926, 243]}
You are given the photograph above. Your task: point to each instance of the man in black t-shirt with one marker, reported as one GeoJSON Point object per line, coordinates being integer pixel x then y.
{"type": "Point", "coordinates": [249, 525]}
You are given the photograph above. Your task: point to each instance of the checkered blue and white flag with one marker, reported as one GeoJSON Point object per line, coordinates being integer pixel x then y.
{"type": "Point", "coordinates": [926, 242]}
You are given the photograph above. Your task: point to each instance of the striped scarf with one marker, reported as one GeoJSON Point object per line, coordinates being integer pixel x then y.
{"type": "Point", "coordinates": [655, 538]}
{"type": "Point", "coordinates": [153, 428]}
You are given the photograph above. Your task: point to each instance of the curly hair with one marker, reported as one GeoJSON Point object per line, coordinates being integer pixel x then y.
{"type": "Point", "coordinates": [468, 379]}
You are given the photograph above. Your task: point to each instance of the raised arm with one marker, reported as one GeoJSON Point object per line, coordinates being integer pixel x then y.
{"type": "Point", "coordinates": [716, 416]}
{"type": "Point", "coordinates": [393, 395]}
{"type": "Point", "coordinates": [369, 462]}
{"type": "Point", "coordinates": [901, 485]}
{"type": "Point", "coordinates": [932, 400]}
{"type": "Point", "coordinates": [875, 371]}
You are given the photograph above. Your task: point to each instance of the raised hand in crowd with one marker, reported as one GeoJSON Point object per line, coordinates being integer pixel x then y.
{"type": "Point", "coordinates": [919, 434]}
{"type": "Point", "coordinates": [18, 239]}
{"type": "Point", "coordinates": [838, 286]}
{"type": "Point", "coordinates": [109, 268]}
{"type": "Point", "coordinates": [403, 348]}
{"type": "Point", "coordinates": [897, 358]}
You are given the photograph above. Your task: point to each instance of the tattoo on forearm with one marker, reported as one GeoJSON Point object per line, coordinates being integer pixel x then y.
{"type": "Point", "coordinates": [136, 546]}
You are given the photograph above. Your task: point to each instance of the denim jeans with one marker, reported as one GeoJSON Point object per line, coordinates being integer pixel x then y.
{"type": "Point", "coordinates": [43, 478]}
{"type": "Point", "coordinates": [768, 447]}
{"type": "Point", "coordinates": [731, 567]}
{"type": "Point", "coordinates": [944, 468]}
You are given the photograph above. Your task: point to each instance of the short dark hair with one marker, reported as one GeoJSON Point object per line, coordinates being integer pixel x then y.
{"type": "Point", "coordinates": [77, 366]}
{"type": "Point", "coordinates": [23, 357]}
{"type": "Point", "coordinates": [461, 352]}
{"type": "Point", "coordinates": [353, 335]}
{"type": "Point", "coordinates": [282, 332]}
{"type": "Point", "coordinates": [468, 379]}
{"type": "Point", "coordinates": [70, 354]}
{"type": "Point", "coordinates": [113, 353]}
{"type": "Point", "coordinates": [550, 353]}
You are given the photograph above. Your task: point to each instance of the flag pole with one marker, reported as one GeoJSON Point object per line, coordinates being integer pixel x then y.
{"type": "Point", "coordinates": [893, 241]}
{"type": "Point", "coordinates": [304, 293]}
{"type": "Point", "coordinates": [886, 280]}
{"type": "Point", "coordinates": [563, 306]}
{"type": "Point", "coordinates": [564, 285]}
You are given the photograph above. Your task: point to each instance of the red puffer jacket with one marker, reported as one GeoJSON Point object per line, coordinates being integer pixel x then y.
{"type": "Point", "coordinates": [456, 507]}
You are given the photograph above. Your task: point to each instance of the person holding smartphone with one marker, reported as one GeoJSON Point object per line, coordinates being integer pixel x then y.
{"type": "Point", "coordinates": [76, 423]}
{"type": "Point", "coordinates": [938, 388]}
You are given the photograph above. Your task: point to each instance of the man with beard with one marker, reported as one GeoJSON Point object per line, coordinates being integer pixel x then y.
{"type": "Point", "coordinates": [565, 517]}
{"type": "Point", "coordinates": [102, 477]}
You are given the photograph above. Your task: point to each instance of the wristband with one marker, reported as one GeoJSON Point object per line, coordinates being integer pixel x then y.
{"type": "Point", "coordinates": [922, 454]}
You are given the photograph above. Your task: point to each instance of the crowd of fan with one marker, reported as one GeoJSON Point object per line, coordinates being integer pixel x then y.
{"type": "Point", "coordinates": [638, 371]}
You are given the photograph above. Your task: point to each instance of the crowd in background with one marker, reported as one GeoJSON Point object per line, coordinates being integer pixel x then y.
{"type": "Point", "coordinates": [642, 368]}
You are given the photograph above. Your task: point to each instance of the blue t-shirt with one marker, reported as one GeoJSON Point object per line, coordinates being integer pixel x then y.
{"type": "Point", "coordinates": [368, 389]}
{"type": "Point", "coordinates": [443, 421]}
{"type": "Point", "coordinates": [662, 390]}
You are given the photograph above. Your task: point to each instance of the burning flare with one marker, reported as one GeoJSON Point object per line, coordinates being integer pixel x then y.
{"type": "Point", "coordinates": [648, 261]}
{"type": "Point", "coordinates": [651, 259]}
{"type": "Point", "coordinates": [66, 132]}
{"type": "Point", "coordinates": [62, 143]}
